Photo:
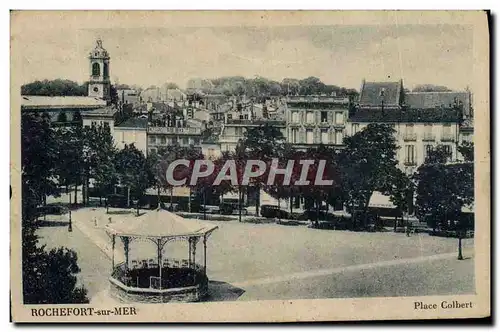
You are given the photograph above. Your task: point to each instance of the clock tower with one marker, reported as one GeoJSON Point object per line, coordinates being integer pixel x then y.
{"type": "Point", "coordinates": [99, 83]}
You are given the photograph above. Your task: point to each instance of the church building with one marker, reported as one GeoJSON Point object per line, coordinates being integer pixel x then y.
{"type": "Point", "coordinates": [93, 109]}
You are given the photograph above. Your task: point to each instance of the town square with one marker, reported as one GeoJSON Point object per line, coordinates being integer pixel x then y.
{"type": "Point", "coordinates": [176, 176]}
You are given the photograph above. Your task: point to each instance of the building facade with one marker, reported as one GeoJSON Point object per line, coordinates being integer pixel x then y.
{"type": "Point", "coordinates": [311, 121]}
{"type": "Point", "coordinates": [234, 130]}
{"type": "Point", "coordinates": [421, 120]}
{"type": "Point", "coordinates": [132, 131]}
{"type": "Point", "coordinates": [162, 137]}
{"type": "Point", "coordinates": [416, 131]}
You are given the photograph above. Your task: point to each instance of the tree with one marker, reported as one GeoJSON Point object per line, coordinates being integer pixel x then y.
{"type": "Point", "coordinates": [400, 189]}
{"type": "Point", "coordinates": [132, 172]}
{"type": "Point", "coordinates": [61, 117]}
{"type": "Point", "coordinates": [317, 193]}
{"type": "Point", "coordinates": [39, 152]}
{"type": "Point", "coordinates": [366, 163]}
{"type": "Point", "coordinates": [439, 154]}
{"type": "Point", "coordinates": [311, 86]}
{"type": "Point", "coordinates": [98, 159]}
{"type": "Point", "coordinates": [466, 149]}
{"type": "Point", "coordinates": [225, 186]}
{"type": "Point", "coordinates": [69, 163]}
{"type": "Point", "coordinates": [48, 277]}
{"type": "Point", "coordinates": [113, 93]}
{"type": "Point", "coordinates": [263, 143]}
{"type": "Point", "coordinates": [240, 157]}
{"type": "Point", "coordinates": [431, 88]}
{"type": "Point", "coordinates": [77, 117]}
{"type": "Point", "coordinates": [155, 178]}
{"type": "Point", "coordinates": [56, 87]}
{"type": "Point", "coordinates": [443, 190]}
{"type": "Point", "coordinates": [170, 85]}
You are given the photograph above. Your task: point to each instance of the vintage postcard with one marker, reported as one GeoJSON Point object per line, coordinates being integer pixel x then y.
{"type": "Point", "coordinates": [249, 166]}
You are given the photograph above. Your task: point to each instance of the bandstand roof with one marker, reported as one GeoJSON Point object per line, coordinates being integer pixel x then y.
{"type": "Point", "coordinates": [156, 224]}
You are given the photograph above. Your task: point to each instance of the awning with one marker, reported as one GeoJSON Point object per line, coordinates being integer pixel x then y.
{"type": "Point", "coordinates": [178, 192]}
{"type": "Point", "coordinates": [380, 201]}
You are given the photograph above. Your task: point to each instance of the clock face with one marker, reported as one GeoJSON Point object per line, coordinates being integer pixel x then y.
{"type": "Point", "coordinates": [96, 89]}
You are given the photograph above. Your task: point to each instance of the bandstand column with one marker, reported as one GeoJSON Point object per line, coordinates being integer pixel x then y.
{"type": "Point", "coordinates": [113, 240]}
{"type": "Point", "coordinates": [190, 245]}
{"type": "Point", "coordinates": [126, 242]}
{"type": "Point", "coordinates": [205, 254]}
{"type": "Point", "coordinates": [159, 243]}
{"type": "Point", "coordinates": [194, 241]}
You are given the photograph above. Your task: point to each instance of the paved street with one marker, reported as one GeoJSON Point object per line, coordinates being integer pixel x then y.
{"type": "Point", "coordinates": [269, 261]}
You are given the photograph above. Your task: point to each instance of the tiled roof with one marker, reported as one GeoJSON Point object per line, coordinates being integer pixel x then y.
{"type": "Point", "coordinates": [163, 107]}
{"type": "Point", "coordinates": [257, 122]}
{"type": "Point", "coordinates": [435, 99]}
{"type": "Point", "coordinates": [45, 102]}
{"type": "Point", "coordinates": [434, 115]}
{"type": "Point", "coordinates": [373, 93]}
{"type": "Point", "coordinates": [105, 111]}
{"type": "Point", "coordinates": [134, 123]}
{"type": "Point", "coordinates": [317, 106]}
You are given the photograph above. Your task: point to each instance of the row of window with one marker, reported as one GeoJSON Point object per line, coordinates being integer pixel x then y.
{"type": "Point", "coordinates": [410, 152]}
{"type": "Point", "coordinates": [99, 123]}
{"type": "Point", "coordinates": [310, 117]}
{"type": "Point", "coordinates": [168, 140]}
{"type": "Point", "coordinates": [323, 137]}
{"type": "Point", "coordinates": [409, 131]}
{"type": "Point", "coordinates": [410, 128]}
{"type": "Point", "coordinates": [241, 116]}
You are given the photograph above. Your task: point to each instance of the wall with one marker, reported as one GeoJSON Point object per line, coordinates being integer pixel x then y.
{"type": "Point", "coordinates": [137, 136]}
{"type": "Point", "coordinates": [331, 121]}
{"type": "Point", "coordinates": [420, 138]}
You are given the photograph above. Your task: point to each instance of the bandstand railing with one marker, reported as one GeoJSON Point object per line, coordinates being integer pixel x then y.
{"type": "Point", "coordinates": [176, 273]}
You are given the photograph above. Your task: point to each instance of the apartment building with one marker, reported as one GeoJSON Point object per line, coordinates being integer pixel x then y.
{"type": "Point", "coordinates": [417, 131]}
{"type": "Point", "coordinates": [234, 130]}
{"type": "Point", "coordinates": [315, 120]}
{"type": "Point", "coordinates": [421, 120]}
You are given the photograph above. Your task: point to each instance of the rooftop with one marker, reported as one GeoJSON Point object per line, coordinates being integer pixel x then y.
{"type": "Point", "coordinates": [374, 93]}
{"type": "Point", "coordinates": [435, 99]}
{"type": "Point", "coordinates": [105, 111]}
{"type": "Point", "coordinates": [256, 122]}
{"type": "Point", "coordinates": [429, 115]}
{"type": "Point", "coordinates": [134, 123]}
{"type": "Point", "coordinates": [45, 102]}
{"type": "Point", "coordinates": [159, 223]}
{"type": "Point", "coordinates": [318, 99]}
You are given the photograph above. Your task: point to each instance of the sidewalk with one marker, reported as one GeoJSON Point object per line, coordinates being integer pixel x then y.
{"type": "Point", "coordinates": [84, 220]}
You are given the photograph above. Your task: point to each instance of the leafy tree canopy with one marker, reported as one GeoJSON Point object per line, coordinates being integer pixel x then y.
{"type": "Point", "coordinates": [431, 88]}
{"type": "Point", "coordinates": [260, 86]}
{"type": "Point", "coordinates": [367, 164]}
{"type": "Point", "coordinates": [58, 87]}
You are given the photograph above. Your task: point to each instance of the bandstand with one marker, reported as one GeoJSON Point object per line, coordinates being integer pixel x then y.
{"type": "Point", "coordinates": [156, 276]}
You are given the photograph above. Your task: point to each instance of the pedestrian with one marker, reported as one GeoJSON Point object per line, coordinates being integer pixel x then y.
{"type": "Point", "coordinates": [407, 228]}
{"type": "Point", "coordinates": [95, 221]}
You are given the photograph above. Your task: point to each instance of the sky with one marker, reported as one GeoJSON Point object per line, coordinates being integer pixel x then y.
{"type": "Point", "coordinates": [343, 55]}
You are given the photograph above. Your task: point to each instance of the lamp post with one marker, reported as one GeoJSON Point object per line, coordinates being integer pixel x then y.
{"type": "Point", "coordinates": [460, 256]}
{"type": "Point", "coordinates": [70, 226]}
